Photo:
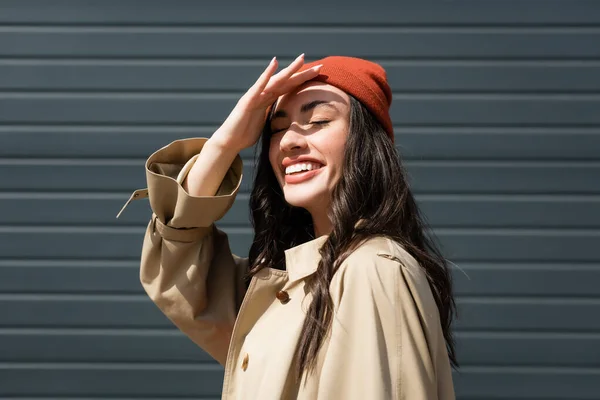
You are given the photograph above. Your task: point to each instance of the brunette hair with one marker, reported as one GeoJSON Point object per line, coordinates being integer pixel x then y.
{"type": "Point", "coordinates": [373, 187]}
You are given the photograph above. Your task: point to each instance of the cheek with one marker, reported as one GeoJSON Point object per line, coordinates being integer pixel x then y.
{"type": "Point", "coordinates": [337, 159]}
{"type": "Point", "coordinates": [335, 148]}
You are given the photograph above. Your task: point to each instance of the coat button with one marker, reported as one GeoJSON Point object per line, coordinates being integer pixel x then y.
{"type": "Point", "coordinates": [245, 362]}
{"type": "Point", "coordinates": [283, 296]}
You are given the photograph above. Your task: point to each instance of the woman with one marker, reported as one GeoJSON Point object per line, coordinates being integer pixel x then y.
{"type": "Point", "coordinates": [343, 296]}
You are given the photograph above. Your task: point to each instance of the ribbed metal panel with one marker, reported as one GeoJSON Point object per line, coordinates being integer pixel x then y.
{"type": "Point", "coordinates": [496, 112]}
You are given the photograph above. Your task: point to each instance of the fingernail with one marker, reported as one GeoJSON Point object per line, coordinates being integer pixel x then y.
{"type": "Point", "coordinates": [301, 55]}
{"type": "Point", "coordinates": [317, 67]}
{"type": "Point", "coordinates": [273, 60]}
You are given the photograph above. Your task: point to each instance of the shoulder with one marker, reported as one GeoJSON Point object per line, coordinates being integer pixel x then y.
{"type": "Point", "coordinates": [380, 265]}
{"type": "Point", "coordinates": [380, 253]}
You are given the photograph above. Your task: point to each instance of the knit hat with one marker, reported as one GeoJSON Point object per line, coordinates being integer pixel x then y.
{"type": "Point", "coordinates": [364, 80]}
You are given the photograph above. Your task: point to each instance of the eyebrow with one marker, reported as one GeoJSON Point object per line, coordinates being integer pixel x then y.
{"type": "Point", "coordinates": [305, 108]}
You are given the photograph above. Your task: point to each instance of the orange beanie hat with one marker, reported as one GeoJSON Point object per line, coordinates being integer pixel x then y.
{"type": "Point", "coordinates": [364, 80]}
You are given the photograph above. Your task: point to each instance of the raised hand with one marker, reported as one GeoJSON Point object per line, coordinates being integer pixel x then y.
{"type": "Point", "coordinates": [243, 126]}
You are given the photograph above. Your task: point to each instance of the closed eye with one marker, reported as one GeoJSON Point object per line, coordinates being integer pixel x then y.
{"type": "Point", "coordinates": [319, 123]}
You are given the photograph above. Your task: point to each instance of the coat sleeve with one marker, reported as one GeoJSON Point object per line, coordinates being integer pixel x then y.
{"type": "Point", "coordinates": [187, 268]}
{"type": "Point", "coordinates": [378, 347]}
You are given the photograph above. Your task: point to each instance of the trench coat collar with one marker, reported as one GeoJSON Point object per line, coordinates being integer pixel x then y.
{"type": "Point", "coordinates": [302, 260]}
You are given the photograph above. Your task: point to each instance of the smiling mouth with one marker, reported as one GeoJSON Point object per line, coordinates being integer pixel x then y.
{"type": "Point", "coordinates": [302, 175]}
{"type": "Point", "coordinates": [301, 168]}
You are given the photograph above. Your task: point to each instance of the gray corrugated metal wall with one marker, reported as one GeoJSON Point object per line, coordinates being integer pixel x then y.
{"type": "Point", "coordinates": [497, 113]}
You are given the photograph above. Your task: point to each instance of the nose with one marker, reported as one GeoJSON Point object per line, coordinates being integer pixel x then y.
{"type": "Point", "coordinates": [292, 140]}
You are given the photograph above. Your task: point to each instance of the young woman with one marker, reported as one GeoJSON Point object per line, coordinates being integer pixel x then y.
{"type": "Point", "coordinates": [343, 295]}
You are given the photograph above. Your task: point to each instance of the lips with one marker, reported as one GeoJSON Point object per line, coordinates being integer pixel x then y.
{"type": "Point", "coordinates": [288, 161]}
{"type": "Point", "coordinates": [302, 167]}
{"type": "Point", "coordinates": [300, 177]}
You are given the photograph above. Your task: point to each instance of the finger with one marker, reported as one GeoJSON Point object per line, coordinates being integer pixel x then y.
{"type": "Point", "coordinates": [287, 72]}
{"type": "Point", "coordinates": [308, 74]}
{"type": "Point", "coordinates": [264, 78]}
{"type": "Point", "coordinates": [295, 80]}
{"type": "Point", "coordinates": [292, 68]}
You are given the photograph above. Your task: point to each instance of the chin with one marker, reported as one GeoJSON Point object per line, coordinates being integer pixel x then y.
{"type": "Point", "coordinates": [296, 197]}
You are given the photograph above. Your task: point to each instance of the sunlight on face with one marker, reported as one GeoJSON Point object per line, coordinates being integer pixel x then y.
{"type": "Point", "coordinates": [310, 129]}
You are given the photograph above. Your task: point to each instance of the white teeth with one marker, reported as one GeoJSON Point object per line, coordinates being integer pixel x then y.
{"type": "Point", "coordinates": [301, 167]}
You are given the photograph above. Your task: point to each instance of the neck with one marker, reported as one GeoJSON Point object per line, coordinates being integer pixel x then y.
{"type": "Point", "coordinates": [321, 223]}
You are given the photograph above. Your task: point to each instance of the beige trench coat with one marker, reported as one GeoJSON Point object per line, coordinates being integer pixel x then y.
{"type": "Point", "coordinates": [386, 341]}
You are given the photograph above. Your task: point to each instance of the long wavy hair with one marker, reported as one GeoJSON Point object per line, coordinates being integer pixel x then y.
{"type": "Point", "coordinates": [373, 187]}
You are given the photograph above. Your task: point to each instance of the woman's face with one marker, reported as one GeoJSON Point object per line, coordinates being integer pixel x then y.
{"type": "Point", "coordinates": [310, 128]}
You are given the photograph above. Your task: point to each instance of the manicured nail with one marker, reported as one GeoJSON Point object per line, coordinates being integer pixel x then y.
{"type": "Point", "coordinates": [317, 67]}
{"type": "Point", "coordinates": [273, 60]}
